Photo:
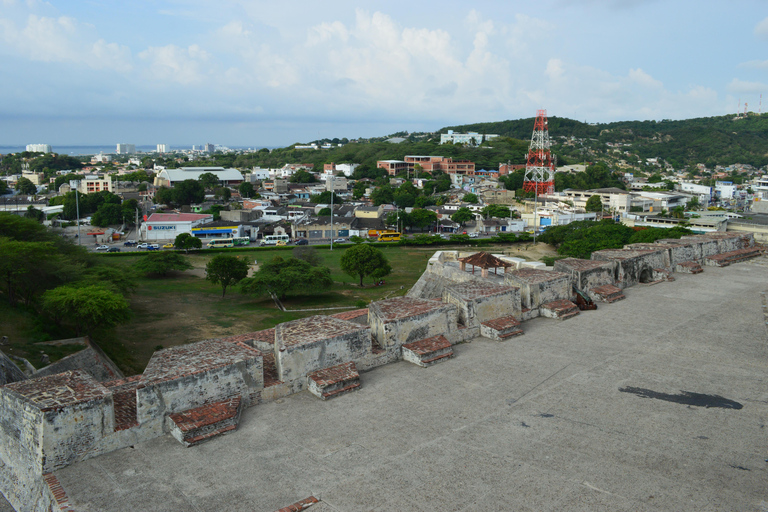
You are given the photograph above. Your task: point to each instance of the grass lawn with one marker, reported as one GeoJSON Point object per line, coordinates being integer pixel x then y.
{"type": "Point", "coordinates": [184, 307]}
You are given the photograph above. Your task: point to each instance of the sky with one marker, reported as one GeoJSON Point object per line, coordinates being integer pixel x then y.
{"type": "Point", "coordinates": [271, 73]}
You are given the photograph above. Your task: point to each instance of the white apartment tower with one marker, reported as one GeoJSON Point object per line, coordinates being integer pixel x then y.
{"type": "Point", "coordinates": [163, 148]}
{"type": "Point", "coordinates": [126, 149]}
{"type": "Point", "coordinates": [39, 148]}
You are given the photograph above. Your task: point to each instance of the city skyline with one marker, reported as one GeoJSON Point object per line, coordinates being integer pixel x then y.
{"type": "Point", "coordinates": [258, 74]}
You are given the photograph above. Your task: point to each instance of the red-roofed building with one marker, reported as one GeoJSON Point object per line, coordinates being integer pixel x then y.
{"type": "Point", "coordinates": [167, 226]}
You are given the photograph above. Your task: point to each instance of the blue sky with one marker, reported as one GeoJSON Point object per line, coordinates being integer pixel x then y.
{"type": "Point", "coordinates": [255, 73]}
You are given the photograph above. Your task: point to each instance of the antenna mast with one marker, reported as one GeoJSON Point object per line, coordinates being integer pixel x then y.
{"type": "Point", "coordinates": [539, 168]}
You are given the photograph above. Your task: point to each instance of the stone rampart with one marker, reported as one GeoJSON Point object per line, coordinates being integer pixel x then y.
{"type": "Point", "coordinates": [318, 342]}
{"type": "Point", "coordinates": [401, 320]}
{"type": "Point", "coordinates": [633, 266]}
{"type": "Point", "coordinates": [586, 274]}
{"type": "Point", "coordinates": [478, 302]}
{"type": "Point", "coordinates": [538, 287]}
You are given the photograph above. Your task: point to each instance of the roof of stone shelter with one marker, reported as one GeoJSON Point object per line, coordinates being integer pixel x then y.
{"type": "Point", "coordinates": [59, 390]}
{"type": "Point", "coordinates": [403, 307]}
{"type": "Point", "coordinates": [485, 260]}
{"type": "Point", "coordinates": [476, 289]}
{"type": "Point", "coordinates": [350, 315]}
{"type": "Point", "coordinates": [579, 264]}
{"type": "Point", "coordinates": [314, 328]}
{"type": "Point", "coordinates": [266, 335]}
{"type": "Point", "coordinates": [622, 254]}
{"type": "Point", "coordinates": [176, 362]}
{"type": "Point", "coordinates": [533, 275]}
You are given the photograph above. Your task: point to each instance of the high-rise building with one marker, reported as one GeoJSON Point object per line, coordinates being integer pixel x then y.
{"type": "Point", "coordinates": [163, 148]}
{"type": "Point", "coordinates": [209, 148]}
{"type": "Point", "coordinates": [126, 149]}
{"type": "Point", "coordinates": [39, 148]}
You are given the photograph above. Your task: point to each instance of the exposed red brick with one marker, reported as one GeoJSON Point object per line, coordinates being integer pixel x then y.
{"type": "Point", "coordinates": [60, 390]}
{"type": "Point", "coordinates": [313, 329]}
{"type": "Point", "coordinates": [335, 374]}
{"type": "Point", "coordinates": [266, 335]}
{"type": "Point", "coordinates": [500, 324]}
{"type": "Point", "coordinates": [403, 307]}
{"type": "Point", "coordinates": [270, 371]}
{"type": "Point", "coordinates": [206, 415]}
{"type": "Point", "coordinates": [351, 315]}
{"type": "Point", "coordinates": [428, 345]}
{"type": "Point", "coordinates": [580, 265]}
{"type": "Point", "coordinates": [176, 362]}
{"type": "Point", "coordinates": [478, 289]}
{"type": "Point", "coordinates": [300, 505]}
{"type": "Point", "coordinates": [62, 500]}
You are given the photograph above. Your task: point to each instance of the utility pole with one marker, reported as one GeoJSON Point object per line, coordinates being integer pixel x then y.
{"type": "Point", "coordinates": [77, 207]}
{"type": "Point", "coordinates": [331, 211]}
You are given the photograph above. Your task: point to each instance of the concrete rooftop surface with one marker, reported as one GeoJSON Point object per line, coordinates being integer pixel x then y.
{"type": "Point", "coordinates": [658, 402]}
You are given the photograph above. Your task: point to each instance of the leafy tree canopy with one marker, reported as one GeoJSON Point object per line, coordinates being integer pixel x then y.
{"type": "Point", "coordinates": [161, 263]}
{"type": "Point", "coordinates": [302, 176]}
{"type": "Point", "coordinates": [187, 241]}
{"type": "Point", "coordinates": [226, 270]}
{"type": "Point", "coordinates": [282, 277]}
{"type": "Point", "coordinates": [85, 307]}
{"type": "Point", "coordinates": [462, 215]}
{"type": "Point", "coordinates": [362, 260]}
{"type": "Point", "coordinates": [594, 204]}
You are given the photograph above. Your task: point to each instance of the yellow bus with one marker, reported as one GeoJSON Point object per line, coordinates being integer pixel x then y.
{"type": "Point", "coordinates": [389, 236]}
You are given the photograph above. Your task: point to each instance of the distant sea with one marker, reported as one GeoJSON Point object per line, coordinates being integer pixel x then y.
{"type": "Point", "coordinates": [111, 149]}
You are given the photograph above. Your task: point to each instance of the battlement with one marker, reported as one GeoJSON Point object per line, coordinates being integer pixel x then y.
{"type": "Point", "coordinates": [53, 421]}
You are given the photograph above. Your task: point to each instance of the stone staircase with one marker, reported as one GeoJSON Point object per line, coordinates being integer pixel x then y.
{"type": "Point", "coordinates": [501, 329]}
{"type": "Point", "coordinates": [607, 293]}
{"type": "Point", "coordinates": [334, 381]}
{"type": "Point", "coordinates": [689, 267]}
{"type": "Point", "coordinates": [428, 351]}
{"type": "Point", "coordinates": [737, 256]}
{"type": "Point", "coordinates": [202, 423]}
{"type": "Point", "coordinates": [559, 309]}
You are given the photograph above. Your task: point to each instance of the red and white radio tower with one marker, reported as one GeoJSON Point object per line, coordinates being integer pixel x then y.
{"type": "Point", "coordinates": [539, 169]}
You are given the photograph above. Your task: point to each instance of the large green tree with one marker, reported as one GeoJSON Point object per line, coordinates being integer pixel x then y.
{"type": "Point", "coordinates": [188, 192]}
{"type": "Point", "coordinates": [226, 270]}
{"type": "Point", "coordinates": [25, 186]}
{"type": "Point", "coordinates": [363, 260]}
{"type": "Point", "coordinates": [187, 241]}
{"type": "Point", "coordinates": [287, 276]}
{"type": "Point", "coordinates": [161, 263]}
{"type": "Point", "coordinates": [208, 180]}
{"type": "Point", "coordinates": [86, 307]}
{"type": "Point", "coordinates": [594, 204]}
{"type": "Point", "coordinates": [303, 176]}
{"type": "Point", "coordinates": [496, 210]}
{"type": "Point", "coordinates": [107, 214]}
{"type": "Point", "coordinates": [462, 215]}
{"type": "Point", "coordinates": [246, 189]}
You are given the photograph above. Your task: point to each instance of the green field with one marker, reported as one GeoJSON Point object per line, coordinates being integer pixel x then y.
{"type": "Point", "coordinates": [184, 307]}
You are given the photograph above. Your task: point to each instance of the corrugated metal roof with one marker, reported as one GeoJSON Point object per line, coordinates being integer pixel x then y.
{"type": "Point", "coordinates": [194, 173]}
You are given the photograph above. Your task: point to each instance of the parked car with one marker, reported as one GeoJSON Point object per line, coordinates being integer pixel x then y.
{"type": "Point", "coordinates": [129, 243]}
{"type": "Point", "coordinates": [102, 248]}
{"type": "Point", "coordinates": [281, 243]}
{"type": "Point", "coordinates": [302, 241]}
{"type": "Point", "coordinates": [168, 246]}
{"type": "Point", "coordinates": [474, 235]}
{"type": "Point", "coordinates": [339, 241]}
{"type": "Point", "coordinates": [113, 249]}
{"type": "Point", "coordinates": [153, 247]}
{"type": "Point", "coordinates": [142, 245]}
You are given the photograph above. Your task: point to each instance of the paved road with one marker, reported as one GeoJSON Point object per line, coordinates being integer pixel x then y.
{"type": "Point", "coordinates": [539, 422]}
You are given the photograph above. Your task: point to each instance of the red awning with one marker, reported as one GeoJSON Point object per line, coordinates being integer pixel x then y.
{"type": "Point", "coordinates": [96, 233]}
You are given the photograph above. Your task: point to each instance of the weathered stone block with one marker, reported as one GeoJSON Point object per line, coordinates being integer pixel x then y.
{"type": "Point", "coordinates": [401, 320]}
{"type": "Point", "coordinates": [586, 274]}
{"type": "Point", "coordinates": [501, 329]}
{"type": "Point", "coordinates": [428, 352]}
{"type": "Point", "coordinates": [632, 266]}
{"type": "Point", "coordinates": [481, 301]}
{"type": "Point", "coordinates": [181, 378]}
{"type": "Point", "coordinates": [310, 344]}
{"type": "Point", "coordinates": [539, 286]}
{"type": "Point", "coordinates": [334, 381]}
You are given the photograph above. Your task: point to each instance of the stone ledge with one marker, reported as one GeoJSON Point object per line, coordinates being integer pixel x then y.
{"type": "Point", "coordinates": [559, 309]}
{"type": "Point", "coordinates": [300, 505]}
{"type": "Point", "coordinates": [502, 328]}
{"type": "Point", "coordinates": [334, 381]}
{"type": "Point", "coordinates": [202, 423]}
{"type": "Point", "coordinates": [428, 351]}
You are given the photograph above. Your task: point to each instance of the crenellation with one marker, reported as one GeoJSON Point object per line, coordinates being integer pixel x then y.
{"type": "Point", "coordinates": [196, 391]}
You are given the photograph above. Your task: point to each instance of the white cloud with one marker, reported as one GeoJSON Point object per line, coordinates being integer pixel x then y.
{"type": "Point", "coordinates": [756, 64]}
{"type": "Point", "coordinates": [743, 87]}
{"type": "Point", "coordinates": [62, 39]}
{"type": "Point", "coordinates": [555, 69]}
{"type": "Point", "coordinates": [643, 79]}
{"type": "Point", "coordinates": [171, 63]}
{"type": "Point", "coordinates": [761, 29]}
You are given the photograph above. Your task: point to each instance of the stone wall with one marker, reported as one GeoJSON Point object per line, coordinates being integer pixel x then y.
{"type": "Point", "coordinates": [586, 274]}
{"type": "Point", "coordinates": [538, 287]}
{"type": "Point", "coordinates": [632, 266]}
{"type": "Point", "coordinates": [310, 344]}
{"type": "Point", "coordinates": [401, 320]}
{"type": "Point", "coordinates": [478, 302]}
